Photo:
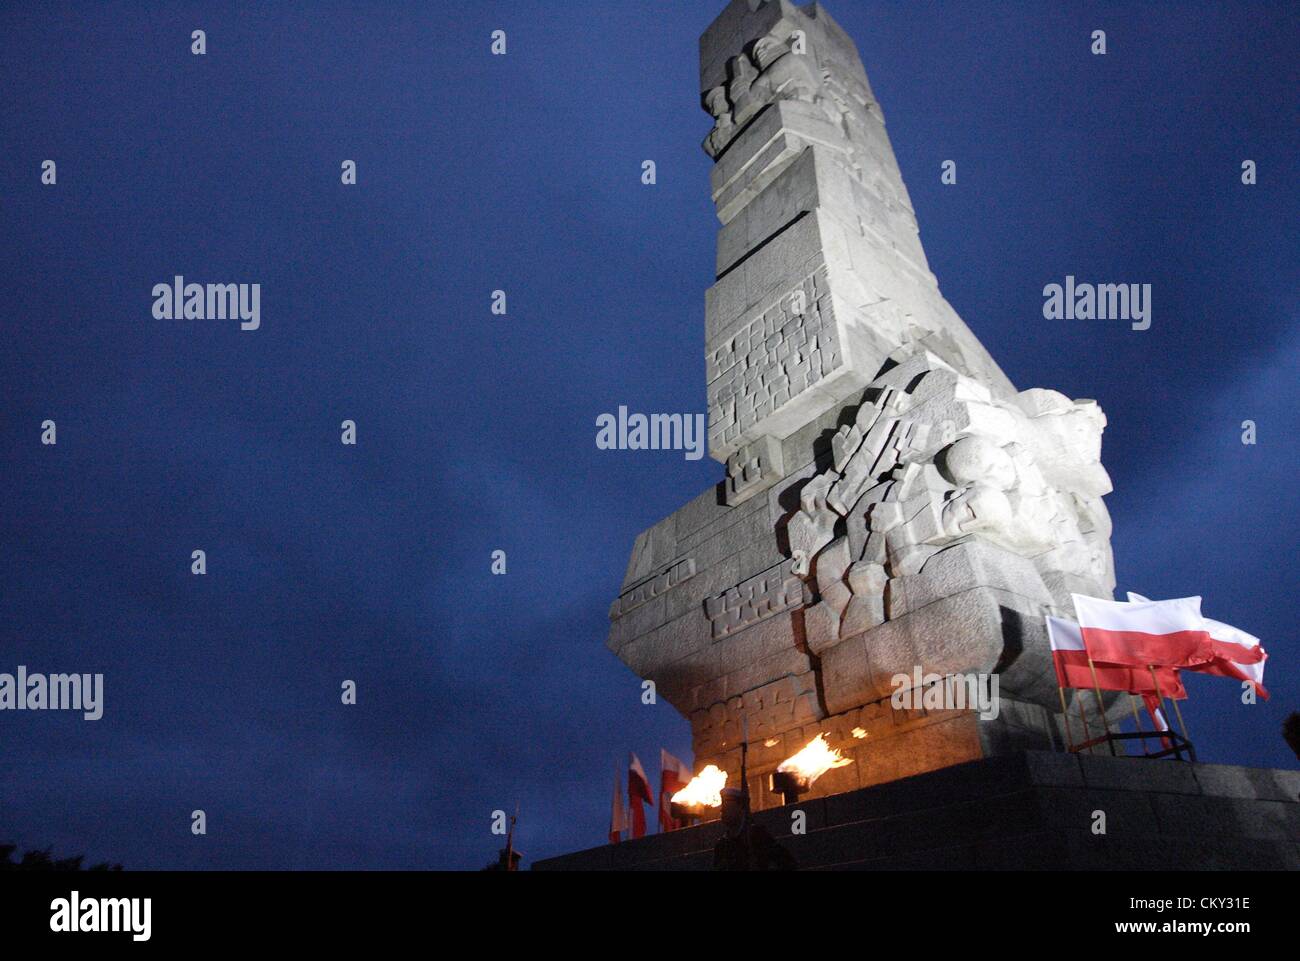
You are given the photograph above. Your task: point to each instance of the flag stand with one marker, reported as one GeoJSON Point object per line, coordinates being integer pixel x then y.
{"type": "Point", "coordinates": [1179, 743]}
{"type": "Point", "coordinates": [1178, 713]}
{"type": "Point", "coordinates": [1071, 645]}
{"type": "Point", "coordinates": [1137, 720]}
{"type": "Point", "coordinates": [1101, 706]}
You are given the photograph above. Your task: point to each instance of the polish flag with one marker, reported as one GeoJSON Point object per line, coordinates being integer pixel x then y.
{"type": "Point", "coordinates": [1070, 658]}
{"type": "Point", "coordinates": [617, 812]}
{"type": "Point", "coordinates": [673, 776]}
{"type": "Point", "coordinates": [638, 792]}
{"type": "Point", "coordinates": [1171, 633]}
{"type": "Point", "coordinates": [1236, 654]}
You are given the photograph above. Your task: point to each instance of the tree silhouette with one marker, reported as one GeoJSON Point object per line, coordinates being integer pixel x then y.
{"type": "Point", "coordinates": [1291, 732]}
{"type": "Point", "coordinates": [45, 861]}
{"type": "Point", "coordinates": [502, 864]}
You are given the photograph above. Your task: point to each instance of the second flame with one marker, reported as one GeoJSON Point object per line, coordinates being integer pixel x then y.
{"type": "Point", "coordinates": [814, 760]}
{"type": "Point", "coordinates": [704, 790]}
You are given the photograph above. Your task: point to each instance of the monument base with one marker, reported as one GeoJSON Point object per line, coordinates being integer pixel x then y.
{"type": "Point", "coordinates": [886, 743]}
{"type": "Point", "coordinates": [1036, 810]}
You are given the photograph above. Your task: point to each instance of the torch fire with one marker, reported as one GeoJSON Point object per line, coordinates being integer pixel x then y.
{"type": "Point", "coordinates": [795, 775]}
{"type": "Point", "coordinates": [704, 791]}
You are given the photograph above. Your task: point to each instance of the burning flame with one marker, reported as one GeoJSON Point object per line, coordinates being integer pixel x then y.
{"type": "Point", "coordinates": [814, 760]}
{"type": "Point", "coordinates": [705, 789]}
{"type": "Point", "coordinates": [858, 733]}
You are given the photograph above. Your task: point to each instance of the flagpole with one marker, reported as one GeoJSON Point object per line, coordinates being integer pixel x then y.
{"type": "Point", "coordinates": [660, 820]}
{"type": "Point", "coordinates": [618, 789]}
{"type": "Point", "coordinates": [1101, 705]}
{"type": "Point", "coordinates": [1137, 720]}
{"type": "Point", "coordinates": [1178, 712]}
{"type": "Point", "coordinates": [627, 786]}
{"type": "Point", "coordinates": [654, 809]}
{"type": "Point", "coordinates": [1087, 734]}
{"type": "Point", "coordinates": [1069, 735]}
{"type": "Point", "coordinates": [1161, 698]}
{"type": "Point", "coordinates": [510, 841]}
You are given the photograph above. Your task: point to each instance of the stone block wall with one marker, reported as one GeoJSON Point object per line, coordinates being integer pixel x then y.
{"type": "Point", "coordinates": [1025, 811]}
{"type": "Point", "coordinates": [891, 501]}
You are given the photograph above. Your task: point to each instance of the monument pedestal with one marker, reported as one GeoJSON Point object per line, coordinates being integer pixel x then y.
{"type": "Point", "coordinates": [1035, 810]}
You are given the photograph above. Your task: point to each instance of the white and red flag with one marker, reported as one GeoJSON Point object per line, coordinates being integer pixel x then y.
{"type": "Point", "coordinates": [1169, 633]}
{"type": "Point", "coordinates": [673, 776]}
{"type": "Point", "coordinates": [617, 811]}
{"type": "Point", "coordinates": [638, 793]}
{"type": "Point", "coordinates": [1070, 658]}
{"type": "Point", "coordinates": [1236, 654]}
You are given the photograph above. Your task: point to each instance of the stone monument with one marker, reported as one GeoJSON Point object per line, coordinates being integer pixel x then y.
{"type": "Point", "coordinates": [891, 501]}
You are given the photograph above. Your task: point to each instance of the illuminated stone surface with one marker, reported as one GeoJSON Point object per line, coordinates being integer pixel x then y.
{"type": "Point", "coordinates": [1032, 811]}
{"type": "Point", "coordinates": [890, 500]}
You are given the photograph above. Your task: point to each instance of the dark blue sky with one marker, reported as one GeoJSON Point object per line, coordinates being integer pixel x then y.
{"type": "Point", "coordinates": [477, 432]}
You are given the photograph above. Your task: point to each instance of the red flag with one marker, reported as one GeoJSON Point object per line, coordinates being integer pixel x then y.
{"type": "Point", "coordinates": [1237, 655]}
{"type": "Point", "coordinates": [673, 776]}
{"type": "Point", "coordinates": [638, 792]}
{"type": "Point", "coordinates": [1072, 669]}
{"type": "Point", "coordinates": [617, 812]}
{"type": "Point", "coordinates": [1169, 633]}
